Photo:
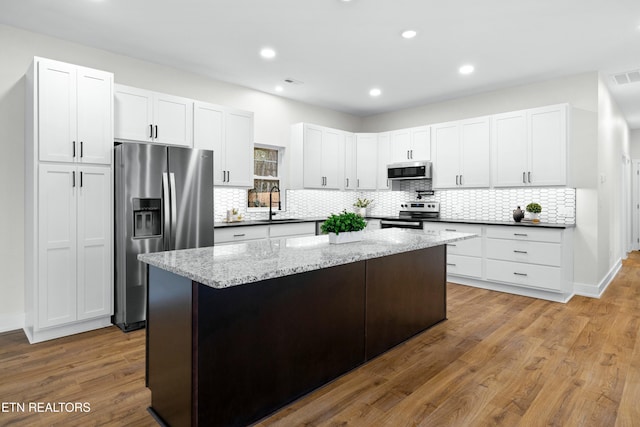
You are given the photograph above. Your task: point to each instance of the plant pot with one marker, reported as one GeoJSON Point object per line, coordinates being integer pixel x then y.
{"type": "Point", "coordinates": [346, 237]}
{"type": "Point", "coordinates": [535, 217]}
{"type": "Point", "coordinates": [362, 212]}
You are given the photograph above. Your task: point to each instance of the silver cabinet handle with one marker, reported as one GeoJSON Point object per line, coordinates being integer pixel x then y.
{"type": "Point", "coordinates": [347, 182]}
{"type": "Point", "coordinates": [520, 234]}
{"type": "Point", "coordinates": [150, 131]}
{"type": "Point", "coordinates": [81, 174]}
{"type": "Point", "coordinates": [452, 245]}
{"type": "Point", "coordinates": [73, 178]}
{"type": "Point", "coordinates": [460, 179]}
{"type": "Point", "coordinates": [74, 149]}
{"type": "Point", "coordinates": [358, 183]}
{"type": "Point", "coordinates": [228, 176]}
{"type": "Point", "coordinates": [524, 179]}
{"type": "Point", "coordinates": [408, 157]}
{"type": "Point", "coordinates": [450, 229]}
{"type": "Point", "coordinates": [156, 131]}
{"type": "Point", "coordinates": [529, 176]}
{"type": "Point", "coordinates": [457, 179]}
{"type": "Point", "coordinates": [451, 265]}
{"type": "Point", "coordinates": [520, 274]}
{"type": "Point", "coordinates": [520, 252]}
{"type": "Point", "coordinates": [239, 235]}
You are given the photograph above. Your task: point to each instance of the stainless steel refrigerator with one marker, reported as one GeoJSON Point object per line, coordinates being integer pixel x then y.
{"type": "Point", "coordinates": [163, 201]}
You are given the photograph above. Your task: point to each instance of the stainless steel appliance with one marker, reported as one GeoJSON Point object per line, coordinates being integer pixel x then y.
{"type": "Point", "coordinates": [413, 214]}
{"type": "Point", "coordinates": [409, 170]}
{"type": "Point", "coordinates": [163, 201]}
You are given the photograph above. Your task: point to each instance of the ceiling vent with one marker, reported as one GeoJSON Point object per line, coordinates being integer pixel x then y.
{"type": "Point", "coordinates": [628, 77]}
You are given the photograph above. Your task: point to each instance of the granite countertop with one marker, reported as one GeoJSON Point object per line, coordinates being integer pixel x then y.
{"type": "Point", "coordinates": [237, 264]}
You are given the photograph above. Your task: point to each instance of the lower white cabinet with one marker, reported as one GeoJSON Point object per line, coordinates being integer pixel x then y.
{"type": "Point", "coordinates": [524, 260]}
{"type": "Point", "coordinates": [69, 284]}
{"type": "Point", "coordinates": [297, 229]}
{"type": "Point", "coordinates": [246, 233]}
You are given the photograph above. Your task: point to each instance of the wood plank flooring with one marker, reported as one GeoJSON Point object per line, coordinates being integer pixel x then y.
{"type": "Point", "coordinates": [500, 360]}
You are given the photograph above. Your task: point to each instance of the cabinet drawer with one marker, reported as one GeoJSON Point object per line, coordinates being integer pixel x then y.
{"type": "Point", "coordinates": [529, 275]}
{"type": "Point", "coordinates": [525, 233]}
{"type": "Point", "coordinates": [469, 247]}
{"type": "Point", "coordinates": [523, 251]}
{"type": "Point", "coordinates": [451, 226]}
{"type": "Point", "coordinates": [240, 234]}
{"type": "Point", "coordinates": [296, 229]}
{"type": "Point", "coordinates": [461, 265]}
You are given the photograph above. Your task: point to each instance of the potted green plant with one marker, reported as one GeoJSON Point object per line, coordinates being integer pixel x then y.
{"type": "Point", "coordinates": [362, 205]}
{"type": "Point", "coordinates": [534, 209]}
{"type": "Point", "coordinates": [344, 228]}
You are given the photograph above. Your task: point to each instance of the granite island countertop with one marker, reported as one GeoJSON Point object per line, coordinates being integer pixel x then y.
{"type": "Point", "coordinates": [242, 263]}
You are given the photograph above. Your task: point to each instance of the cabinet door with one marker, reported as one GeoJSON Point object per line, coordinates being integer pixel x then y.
{"type": "Point", "coordinates": [446, 167]}
{"type": "Point", "coordinates": [94, 233]}
{"type": "Point", "coordinates": [56, 293]}
{"type": "Point", "coordinates": [548, 145]}
{"type": "Point", "coordinates": [173, 120]}
{"type": "Point", "coordinates": [383, 160]}
{"type": "Point", "coordinates": [208, 134]}
{"type": "Point", "coordinates": [313, 177]}
{"type": "Point", "coordinates": [367, 161]}
{"type": "Point", "coordinates": [350, 162]}
{"type": "Point", "coordinates": [332, 159]}
{"type": "Point", "coordinates": [420, 143]}
{"type": "Point", "coordinates": [475, 149]}
{"type": "Point", "coordinates": [510, 149]}
{"type": "Point", "coordinates": [239, 148]}
{"type": "Point", "coordinates": [133, 117]}
{"type": "Point", "coordinates": [57, 106]}
{"type": "Point", "coordinates": [400, 147]}
{"type": "Point", "coordinates": [95, 116]}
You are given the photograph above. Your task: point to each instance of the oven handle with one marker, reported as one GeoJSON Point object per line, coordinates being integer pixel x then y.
{"type": "Point", "coordinates": [401, 223]}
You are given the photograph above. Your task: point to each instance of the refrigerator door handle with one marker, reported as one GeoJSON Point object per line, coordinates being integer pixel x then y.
{"type": "Point", "coordinates": [166, 212]}
{"type": "Point", "coordinates": [174, 212]}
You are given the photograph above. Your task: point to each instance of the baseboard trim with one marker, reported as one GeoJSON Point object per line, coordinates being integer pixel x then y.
{"type": "Point", "coordinates": [596, 291]}
{"type": "Point", "coordinates": [11, 322]}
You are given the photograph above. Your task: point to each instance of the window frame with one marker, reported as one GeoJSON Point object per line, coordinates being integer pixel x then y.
{"type": "Point", "coordinates": [280, 178]}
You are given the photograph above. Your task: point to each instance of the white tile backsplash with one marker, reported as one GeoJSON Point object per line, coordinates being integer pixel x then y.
{"type": "Point", "coordinates": [558, 204]}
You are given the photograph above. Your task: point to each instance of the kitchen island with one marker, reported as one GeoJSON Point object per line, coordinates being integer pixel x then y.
{"type": "Point", "coordinates": [235, 332]}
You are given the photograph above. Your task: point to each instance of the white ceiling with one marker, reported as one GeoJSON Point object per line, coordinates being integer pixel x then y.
{"type": "Point", "coordinates": [339, 50]}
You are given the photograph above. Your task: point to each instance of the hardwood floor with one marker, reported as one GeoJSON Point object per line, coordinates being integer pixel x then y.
{"type": "Point", "coordinates": [500, 359]}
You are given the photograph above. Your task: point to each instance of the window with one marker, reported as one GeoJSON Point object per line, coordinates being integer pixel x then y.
{"type": "Point", "coordinates": [266, 175]}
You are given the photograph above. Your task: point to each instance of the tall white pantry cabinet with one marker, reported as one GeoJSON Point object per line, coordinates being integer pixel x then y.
{"type": "Point", "coordinates": [68, 193]}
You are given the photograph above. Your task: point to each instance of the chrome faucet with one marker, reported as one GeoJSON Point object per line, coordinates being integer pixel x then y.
{"type": "Point", "coordinates": [271, 213]}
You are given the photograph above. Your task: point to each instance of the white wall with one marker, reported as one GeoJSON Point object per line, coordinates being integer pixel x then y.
{"type": "Point", "coordinates": [273, 117]}
{"type": "Point", "coordinates": [634, 144]}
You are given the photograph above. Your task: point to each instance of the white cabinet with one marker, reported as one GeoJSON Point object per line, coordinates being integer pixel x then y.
{"type": "Point", "coordinates": [75, 113]}
{"type": "Point", "coordinates": [373, 224]}
{"type": "Point", "coordinates": [464, 257]}
{"type": "Point", "coordinates": [316, 157]}
{"type": "Point", "coordinates": [229, 133]}
{"type": "Point", "coordinates": [530, 147]}
{"type": "Point", "coordinates": [240, 234]}
{"type": "Point", "coordinates": [142, 115]}
{"type": "Point", "coordinates": [298, 229]}
{"type": "Point", "coordinates": [350, 161]}
{"type": "Point", "coordinates": [384, 151]}
{"type": "Point", "coordinates": [462, 154]}
{"type": "Point", "coordinates": [68, 200]}
{"type": "Point", "coordinates": [366, 161]}
{"type": "Point", "coordinates": [410, 144]}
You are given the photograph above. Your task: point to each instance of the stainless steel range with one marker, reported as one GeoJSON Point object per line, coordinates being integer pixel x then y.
{"type": "Point", "coordinates": [412, 215]}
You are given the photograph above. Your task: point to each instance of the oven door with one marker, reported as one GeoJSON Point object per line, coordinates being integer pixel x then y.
{"type": "Point", "coordinates": [391, 223]}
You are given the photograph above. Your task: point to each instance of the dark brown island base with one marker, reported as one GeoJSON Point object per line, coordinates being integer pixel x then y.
{"type": "Point", "coordinates": [230, 356]}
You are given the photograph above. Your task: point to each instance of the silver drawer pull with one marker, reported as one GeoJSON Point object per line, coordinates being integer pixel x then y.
{"type": "Point", "coordinates": [451, 265]}
{"type": "Point", "coordinates": [452, 245]}
{"type": "Point", "coordinates": [520, 252]}
{"type": "Point", "coordinates": [520, 274]}
{"type": "Point", "coordinates": [520, 234]}
{"type": "Point", "coordinates": [449, 229]}
{"type": "Point", "coordinates": [239, 235]}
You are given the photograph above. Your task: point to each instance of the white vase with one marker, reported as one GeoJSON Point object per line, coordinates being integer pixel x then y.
{"type": "Point", "coordinates": [362, 212]}
{"type": "Point", "coordinates": [535, 217]}
{"type": "Point", "coordinates": [346, 237]}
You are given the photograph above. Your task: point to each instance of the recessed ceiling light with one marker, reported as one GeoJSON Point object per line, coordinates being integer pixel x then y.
{"type": "Point", "coordinates": [279, 88]}
{"type": "Point", "coordinates": [409, 34]}
{"type": "Point", "coordinates": [375, 92]}
{"type": "Point", "coordinates": [268, 53]}
{"type": "Point", "coordinates": [466, 69]}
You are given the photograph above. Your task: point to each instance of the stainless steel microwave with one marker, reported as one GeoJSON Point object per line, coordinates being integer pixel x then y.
{"type": "Point", "coordinates": [409, 170]}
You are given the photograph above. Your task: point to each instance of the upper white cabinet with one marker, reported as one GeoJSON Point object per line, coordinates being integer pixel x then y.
{"type": "Point", "coordinates": [316, 157]}
{"type": "Point", "coordinates": [142, 115]}
{"type": "Point", "coordinates": [384, 151]}
{"type": "Point", "coordinates": [530, 147]}
{"type": "Point", "coordinates": [462, 154]}
{"type": "Point", "coordinates": [366, 161]}
{"type": "Point", "coordinates": [74, 113]}
{"type": "Point", "coordinates": [410, 144]}
{"type": "Point", "coordinates": [229, 133]}
{"type": "Point", "coordinates": [350, 162]}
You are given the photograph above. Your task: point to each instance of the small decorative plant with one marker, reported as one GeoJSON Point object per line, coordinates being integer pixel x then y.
{"type": "Point", "coordinates": [342, 223]}
{"type": "Point", "coordinates": [534, 208]}
{"type": "Point", "coordinates": [362, 203]}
